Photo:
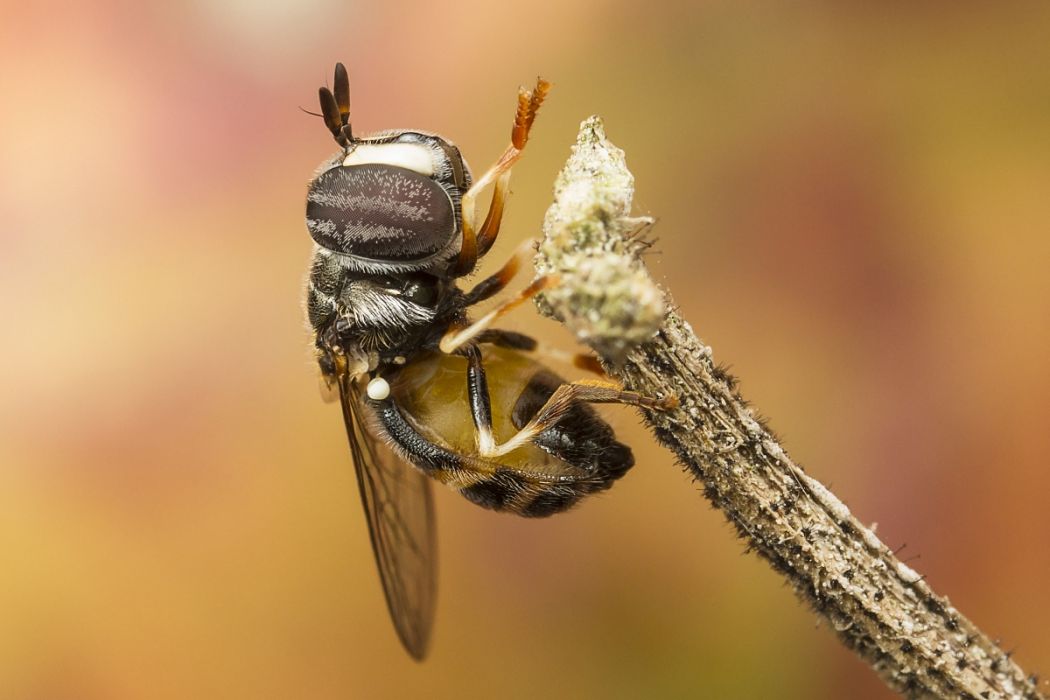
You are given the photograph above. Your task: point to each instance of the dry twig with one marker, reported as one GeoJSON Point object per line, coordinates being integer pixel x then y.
{"type": "Point", "coordinates": [880, 607]}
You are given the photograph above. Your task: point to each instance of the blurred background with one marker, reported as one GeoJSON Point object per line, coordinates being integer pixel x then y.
{"type": "Point", "coordinates": [853, 212]}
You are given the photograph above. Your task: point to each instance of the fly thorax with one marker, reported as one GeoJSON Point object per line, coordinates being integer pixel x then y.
{"type": "Point", "coordinates": [385, 314]}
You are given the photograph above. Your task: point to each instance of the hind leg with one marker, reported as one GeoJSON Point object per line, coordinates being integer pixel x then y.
{"type": "Point", "coordinates": [563, 398]}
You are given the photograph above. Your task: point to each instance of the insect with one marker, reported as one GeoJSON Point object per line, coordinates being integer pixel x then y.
{"type": "Point", "coordinates": [426, 393]}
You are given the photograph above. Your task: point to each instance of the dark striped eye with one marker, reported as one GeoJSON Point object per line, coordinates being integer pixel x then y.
{"type": "Point", "coordinates": [381, 212]}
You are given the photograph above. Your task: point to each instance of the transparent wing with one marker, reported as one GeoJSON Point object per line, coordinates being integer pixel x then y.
{"type": "Point", "coordinates": [400, 512]}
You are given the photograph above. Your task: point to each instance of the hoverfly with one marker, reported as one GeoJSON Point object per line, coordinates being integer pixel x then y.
{"type": "Point", "coordinates": [426, 393]}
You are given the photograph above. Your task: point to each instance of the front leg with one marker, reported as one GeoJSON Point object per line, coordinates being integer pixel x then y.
{"type": "Point", "coordinates": [476, 244]}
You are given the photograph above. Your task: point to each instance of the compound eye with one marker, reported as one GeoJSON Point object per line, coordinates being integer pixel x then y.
{"type": "Point", "coordinates": [379, 211]}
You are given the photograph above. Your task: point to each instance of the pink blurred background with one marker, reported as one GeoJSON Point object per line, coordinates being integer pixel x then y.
{"type": "Point", "coordinates": [853, 212]}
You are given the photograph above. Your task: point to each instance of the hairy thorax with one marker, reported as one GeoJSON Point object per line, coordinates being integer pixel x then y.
{"type": "Point", "coordinates": [392, 315]}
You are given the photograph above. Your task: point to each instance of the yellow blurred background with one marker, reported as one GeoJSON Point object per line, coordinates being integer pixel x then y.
{"type": "Point", "coordinates": [853, 211]}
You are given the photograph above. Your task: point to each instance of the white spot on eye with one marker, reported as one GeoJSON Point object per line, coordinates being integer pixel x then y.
{"type": "Point", "coordinates": [410, 156]}
{"type": "Point", "coordinates": [378, 389]}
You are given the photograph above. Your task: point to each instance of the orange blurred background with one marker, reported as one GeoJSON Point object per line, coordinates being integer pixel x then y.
{"type": "Point", "coordinates": [853, 212]}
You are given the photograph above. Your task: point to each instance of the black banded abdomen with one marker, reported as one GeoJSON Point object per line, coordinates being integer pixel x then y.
{"type": "Point", "coordinates": [577, 456]}
{"type": "Point", "coordinates": [379, 211]}
{"type": "Point", "coordinates": [581, 437]}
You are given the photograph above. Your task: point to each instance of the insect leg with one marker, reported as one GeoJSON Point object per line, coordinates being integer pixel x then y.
{"type": "Point", "coordinates": [456, 338]}
{"type": "Point", "coordinates": [520, 341]}
{"type": "Point", "coordinates": [588, 390]}
{"type": "Point", "coordinates": [579, 360]}
{"type": "Point", "coordinates": [496, 283]}
{"type": "Point", "coordinates": [507, 339]}
{"type": "Point", "coordinates": [494, 217]}
{"type": "Point", "coordinates": [476, 244]}
{"type": "Point", "coordinates": [480, 404]}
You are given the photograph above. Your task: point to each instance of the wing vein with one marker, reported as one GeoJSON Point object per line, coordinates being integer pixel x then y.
{"type": "Point", "coordinates": [399, 508]}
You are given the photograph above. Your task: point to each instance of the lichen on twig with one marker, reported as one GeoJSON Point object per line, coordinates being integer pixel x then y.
{"type": "Point", "coordinates": [607, 299]}
{"type": "Point", "coordinates": [879, 607]}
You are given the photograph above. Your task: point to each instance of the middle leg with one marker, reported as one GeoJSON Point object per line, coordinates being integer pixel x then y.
{"type": "Point", "coordinates": [496, 283]}
{"type": "Point", "coordinates": [456, 338]}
